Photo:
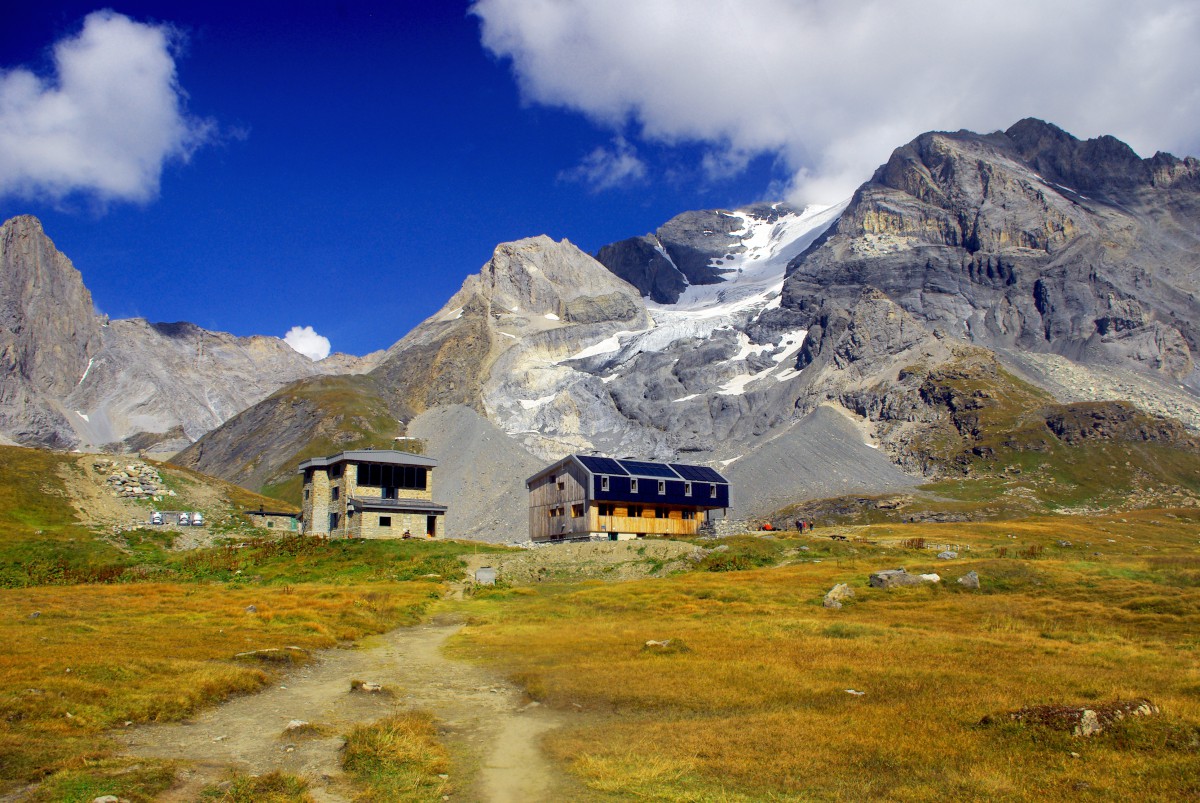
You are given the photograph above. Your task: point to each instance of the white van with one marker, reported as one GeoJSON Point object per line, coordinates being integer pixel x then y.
{"type": "Point", "coordinates": [156, 518]}
{"type": "Point", "coordinates": [197, 519]}
{"type": "Point", "coordinates": [184, 520]}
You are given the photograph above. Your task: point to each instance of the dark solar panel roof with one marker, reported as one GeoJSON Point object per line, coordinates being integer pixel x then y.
{"type": "Point", "coordinates": [601, 465]}
{"type": "Point", "coordinates": [644, 469]}
{"type": "Point", "coordinates": [698, 473]}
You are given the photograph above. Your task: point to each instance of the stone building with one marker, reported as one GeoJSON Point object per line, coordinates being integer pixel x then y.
{"type": "Point", "coordinates": [273, 519]}
{"type": "Point", "coordinates": [371, 494]}
{"type": "Point", "coordinates": [584, 497]}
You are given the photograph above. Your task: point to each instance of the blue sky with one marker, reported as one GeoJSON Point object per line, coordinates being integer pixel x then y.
{"type": "Point", "coordinates": [348, 164]}
{"type": "Point", "coordinates": [366, 161]}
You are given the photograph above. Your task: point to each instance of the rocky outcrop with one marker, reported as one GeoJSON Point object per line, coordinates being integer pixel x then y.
{"type": "Point", "coordinates": [688, 249]}
{"type": "Point", "coordinates": [1028, 240]}
{"type": "Point", "coordinates": [73, 378]}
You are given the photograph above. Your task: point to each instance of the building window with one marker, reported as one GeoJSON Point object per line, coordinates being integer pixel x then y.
{"type": "Point", "coordinates": [607, 510]}
{"type": "Point", "coordinates": [270, 523]}
{"type": "Point", "coordinates": [604, 483]}
{"type": "Point", "coordinates": [385, 521]}
{"type": "Point", "coordinates": [661, 513]}
{"type": "Point", "coordinates": [306, 493]}
{"type": "Point", "coordinates": [662, 487]}
{"type": "Point", "coordinates": [576, 511]}
{"type": "Point", "coordinates": [712, 491]}
{"type": "Point", "coordinates": [635, 511]}
{"type": "Point", "coordinates": [688, 515]}
{"type": "Point", "coordinates": [335, 493]}
{"type": "Point", "coordinates": [333, 521]}
{"type": "Point", "coordinates": [687, 489]}
{"type": "Point", "coordinates": [335, 471]}
{"type": "Point", "coordinates": [633, 485]}
{"type": "Point", "coordinates": [378, 475]}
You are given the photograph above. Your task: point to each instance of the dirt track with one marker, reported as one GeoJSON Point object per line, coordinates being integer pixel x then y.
{"type": "Point", "coordinates": [483, 720]}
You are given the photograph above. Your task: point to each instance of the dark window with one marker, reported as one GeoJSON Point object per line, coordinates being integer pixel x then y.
{"type": "Point", "coordinates": [687, 489]}
{"type": "Point", "coordinates": [688, 515]}
{"type": "Point", "coordinates": [606, 510]}
{"type": "Point", "coordinates": [576, 510]}
{"type": "Point", "coordinates": [661, 513]}
{"type": "Point", "coordinates": [633, 485]}
{"type": "Point", "coordinates": [635, 511]}
{"type": "Point", "coordinates": [377, 475]}
{"type": "Point", "coordinates": [308, 474]}
{"type": "Point", "coordinates": [335, 493]}
{"type": "Point", "coordinates": [305, 493]}
{"type": "Point", "coordinates": [335, 471]}
{"type": "Point", "coordinates": [270, 523]}
{"type": "Point", "coordinates": [662, 487]}
{"type": "Point", "coordinates": [333, 521]}
{"type": "Point", "coordinates": [385, 521]}
{"type": "Point", "coordinates": [604, 483]}
{"type": "Point", "coordinates": [712, 491]}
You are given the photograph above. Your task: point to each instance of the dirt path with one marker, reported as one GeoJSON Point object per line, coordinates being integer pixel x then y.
{"type": "Point", "coordinates": [483, 720]}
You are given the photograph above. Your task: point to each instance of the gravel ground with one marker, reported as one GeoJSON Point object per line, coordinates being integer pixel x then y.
{"type": "Point", "coordinates": [480, 475]}
{"type": "Point", "coordinates": [821, 455]}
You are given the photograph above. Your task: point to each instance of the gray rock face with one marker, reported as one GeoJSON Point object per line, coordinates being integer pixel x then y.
{"type": "Point", "coordinates": [969, 580]}
{"type": "Point", "coordinates": [688, 249]}
{"type": "Point", "coordinates": [74, 378]}
{"type": "Point", "coordinates": [1028, 240]}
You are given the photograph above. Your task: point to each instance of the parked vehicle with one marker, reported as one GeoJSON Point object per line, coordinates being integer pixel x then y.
{"type": "Point", "coordinates": [156, 518]}
{"type": "Point", "coordinates": [184, 520]}
{"type": "Point", "coordinates": [197, 519]}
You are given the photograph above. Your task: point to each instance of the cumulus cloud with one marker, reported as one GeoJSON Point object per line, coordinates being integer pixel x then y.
{"type": "Point", "coordinates": [105, 123]}
{"type": "Point", "coordinates": [832, 88]}
{"type": "Point", "coordinates": [605, 168]}
{"type": "Point", "coordinates": [305, 340]}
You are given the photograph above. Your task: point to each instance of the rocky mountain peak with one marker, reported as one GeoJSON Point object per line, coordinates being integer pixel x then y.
{"type": "Point", "coordinates": [50, 329]}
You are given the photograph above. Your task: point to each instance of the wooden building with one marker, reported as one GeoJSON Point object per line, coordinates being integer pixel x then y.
{"type": "Point", "coordinates": [371, 494]}
{"type": "Point", "coordinates": [583, 497]}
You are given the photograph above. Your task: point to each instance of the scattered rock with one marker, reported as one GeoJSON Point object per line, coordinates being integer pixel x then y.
{"type": "Point", "coordinates": [665, 647]}
{"type": "Point", "coordinates": [295, 725]}
{"type": "Point", "coordinates": [366, 686]}
{"type": "Point", "coordinates": [929, 578]}
{"type": "Point", "coordinates": [251, 609]}
{"type": "Point", "coordinates": [1064, 544]}
{"type": "Point", "coordinates": [835, 595]}
{"type": "Point", "coordinates": [969, 580]}
{"type": "Point", "coordinates": [947, 555]}
{"type": "Point", "coordinates": [1079, 720]}
{"type": "Point", "coordinates": [855, 692]}
{"type": "Point", "coordinates": [294, 654]}
{"type": "Point", "coordinates": [892, 578]}
{"type": "Point", "coordinates": [108, 799]}
{"type": "Point", "coordinates": [35, 614]}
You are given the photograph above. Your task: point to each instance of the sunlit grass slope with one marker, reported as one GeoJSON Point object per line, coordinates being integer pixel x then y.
{"type": "Point", "coordinates": [752, 703]}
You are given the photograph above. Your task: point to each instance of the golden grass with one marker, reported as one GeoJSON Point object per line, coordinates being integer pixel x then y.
{"type": "Point", "coordinates": [97, 656]}
{"type": "Point", "coordinates": [398, 758]}
{"type": "Point", "coordinates": [758, 709]}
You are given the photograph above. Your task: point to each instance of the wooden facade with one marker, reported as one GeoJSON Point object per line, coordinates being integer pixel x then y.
{"type": "Point", "coordinates": [583, 497]}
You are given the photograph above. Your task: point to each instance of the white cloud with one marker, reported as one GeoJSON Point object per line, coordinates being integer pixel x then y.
{"type": "Point", "coordinates": [306, 341]}
{"type": "Point", "coordinates": [606, 168]}
{"type": "Point", "coordinates": [832, 88]}
{"type": "Point", "coordinates": [105, 123]}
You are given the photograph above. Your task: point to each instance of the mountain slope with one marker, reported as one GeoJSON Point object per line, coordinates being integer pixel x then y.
{"type": "Point", "coordinates": [73, 378]}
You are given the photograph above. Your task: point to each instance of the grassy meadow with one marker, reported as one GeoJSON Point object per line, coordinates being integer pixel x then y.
{"type": "Point", "coordinates": [751, 699]}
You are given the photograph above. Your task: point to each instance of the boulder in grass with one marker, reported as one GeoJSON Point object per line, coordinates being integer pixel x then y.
{"type": "Point", "coordinates": [969, 580]}
{"type": "Point", "coordinates": [1079, 720]}
{"type": "Point", "coordinates": [947, 555]}
{"type": "Point", "coordinates": [892, 578]}
{"type": "Point", "coordinates": [835, 596]}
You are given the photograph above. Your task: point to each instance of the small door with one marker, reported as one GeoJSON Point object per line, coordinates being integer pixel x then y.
{"type": "Point", "coordinates": [431, 526]}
